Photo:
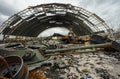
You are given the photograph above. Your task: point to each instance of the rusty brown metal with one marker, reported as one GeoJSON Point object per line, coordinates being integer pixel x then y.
{"type": "Point", "coordinates": [1, 77]}
{"type": "Point", "coordinates": [7, 66]}
{"type": "Point", "coordinates": [12, 67]}
{"type": "Point", "coordinates": [36, 74]}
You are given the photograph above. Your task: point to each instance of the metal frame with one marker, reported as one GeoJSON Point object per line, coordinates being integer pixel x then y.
{"type": "Point", "coordinates": [33, 20]}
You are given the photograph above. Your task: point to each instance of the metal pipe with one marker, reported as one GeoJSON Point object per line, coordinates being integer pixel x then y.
{"type": "Point", "coordinates": [79, 47]}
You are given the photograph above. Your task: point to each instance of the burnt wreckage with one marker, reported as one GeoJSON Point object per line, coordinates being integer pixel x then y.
{"type": "Point", "coordinates": [88, 33]}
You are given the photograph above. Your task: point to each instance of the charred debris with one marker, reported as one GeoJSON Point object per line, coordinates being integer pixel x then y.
{"type": "Point", "coordinates": [89, 51]}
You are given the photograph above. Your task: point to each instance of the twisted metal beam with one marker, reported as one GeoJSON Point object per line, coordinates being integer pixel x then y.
{"type": "Point", "coordinates": [33, 20]}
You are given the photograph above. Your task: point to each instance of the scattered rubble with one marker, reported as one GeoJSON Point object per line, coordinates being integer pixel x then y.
{"type": "Point", "coordinates": [102, 73]}
{"type": "Point", "coordinates": [114, 54]}
{"type": "Point", "coordinates": [82, 66]}
{"type": "Point", "coordinates": [52, 57]}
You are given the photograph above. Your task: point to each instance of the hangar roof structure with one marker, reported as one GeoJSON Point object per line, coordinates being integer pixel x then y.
{"type": "Point", "coordinates": [35, 19]}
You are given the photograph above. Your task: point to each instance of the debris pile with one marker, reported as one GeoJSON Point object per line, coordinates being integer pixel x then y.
{"type": "Point", "coordinates": [83, 66]}
{"type": "Point", "coordinates": [115, 54]}
{"type": "Point", "coordinates": [77, 55]}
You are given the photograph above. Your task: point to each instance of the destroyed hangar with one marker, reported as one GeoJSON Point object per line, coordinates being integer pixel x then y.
{"type": "Point", "coordinates": [28, 53]}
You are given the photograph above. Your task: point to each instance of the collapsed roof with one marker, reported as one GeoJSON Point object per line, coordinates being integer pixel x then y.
{"type": "Point", "coordinates": [34, 20]}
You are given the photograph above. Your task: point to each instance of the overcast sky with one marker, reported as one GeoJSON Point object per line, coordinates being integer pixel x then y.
{"type": "Point", "coordinates": [109, 10]}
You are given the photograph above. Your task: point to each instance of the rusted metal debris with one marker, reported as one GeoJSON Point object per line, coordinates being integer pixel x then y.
{"type": "Point", "coordinates": [12, 67]}
{"type": "Point", "coordinates": [87, 35]}
{"type": "Point", "coordinates": [36, 74]}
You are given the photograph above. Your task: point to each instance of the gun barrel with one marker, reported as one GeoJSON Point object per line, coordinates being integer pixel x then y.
{"type": "Point", "coordinates": [105, 45]}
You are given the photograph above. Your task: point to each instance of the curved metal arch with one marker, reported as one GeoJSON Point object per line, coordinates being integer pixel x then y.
{"type": "Point", "coordinates": [44, 15]}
